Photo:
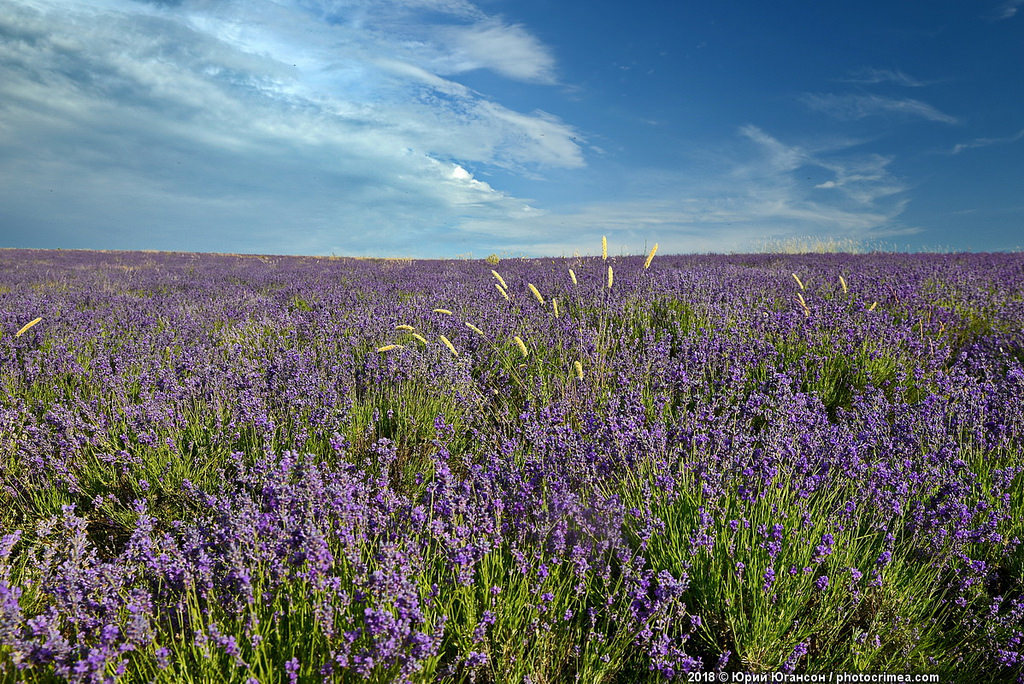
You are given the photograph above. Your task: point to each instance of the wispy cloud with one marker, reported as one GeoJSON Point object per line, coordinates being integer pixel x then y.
{"type": "Point", "coordinates": [1006, 10]}
{"type": "Point", "coordinates": [763, 189]}
{"type": "Point", "coordinates": [509, 50]}
{"type": "Point", "coordinates": [857, 106]}
{"type": "Point", "coordinates": [871, 76]}
{"type": "Point", "coordinates": [986, 142]}
{"type": "Point", "coordinates": [289, 127]}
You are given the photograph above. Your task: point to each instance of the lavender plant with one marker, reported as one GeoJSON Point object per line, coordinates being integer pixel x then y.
{"type": "Point", "coordinates": [284, 469]}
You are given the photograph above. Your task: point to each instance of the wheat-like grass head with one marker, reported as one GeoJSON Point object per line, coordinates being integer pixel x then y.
{"type": "Point", "coordinates": [446, 312]}
{"type": "Point", "coordinates": [572, 276]}
{"type": "Point", "coordinates": [406, 328]}
{"type": "Point", "coordinates": [843, 283]}
{"type": "Point", "coordinates": [501, 290]}
{"type": "Point", "coordinates": [27, 326]}
{"type": "Point", "coordinates": [475, 329]}
{"type": "Point", "coordinates": [604, 248]}
{"type": "Point", "coordinates": [797, 279]}
{"type": "Point", "coordinates": [611, 277]}
{"type": "Point", "coordinates": [536, 292]}
{"type": "Point", "coordinates": [447, 343]}
{"type": "Point", "coordinates": [800, 298]}
{"type": "Point", "coordinates": [500, 279]}
{"type": "Point", "coordinates": [650, 257]}
{"type": "Point", "coordinates": [388, 347]}
{"type": "Point", "coordinates": [522, 346]}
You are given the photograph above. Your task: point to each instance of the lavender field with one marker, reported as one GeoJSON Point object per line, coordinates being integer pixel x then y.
{"type": "Point", "coordinates": [285, 469]}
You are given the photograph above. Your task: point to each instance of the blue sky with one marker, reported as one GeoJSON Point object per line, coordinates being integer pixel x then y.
{"type": "Point", "coordinates": [439, 128]}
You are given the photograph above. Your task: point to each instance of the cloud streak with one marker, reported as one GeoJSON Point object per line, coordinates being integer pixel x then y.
{"type": "Point", "coordinates": [856, 106]}
{"type": "Point", "coordinates": [987, 142]}
{"type": "Point", "coordinates": [871, 76]}
{"type": "Point", "coordinates": [509, 50]}
{"type": "Point", "coordinates": [1006, 10]}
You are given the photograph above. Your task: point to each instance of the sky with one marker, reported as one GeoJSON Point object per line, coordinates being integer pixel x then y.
{"type": "Point", "coordinates": [455, 128]}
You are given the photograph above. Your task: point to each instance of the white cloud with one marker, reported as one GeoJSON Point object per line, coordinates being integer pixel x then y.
{"type": "Point", "coordinates": [871, 76]}
{"type": "Point", "coordinates": [860, 106]}
{"type": "Point", "coordinates": [1006, 9]}
{"type": "Point", "coordinates": [507, 49]}
{"type": "Point", "coordinates": [342, 126]}
{"type": "Point", "coordinates": [754, 193]}
{"type": "Point", "coordinates": [986, 142]}
{"type": "Point", "coordinates": [246, 119]}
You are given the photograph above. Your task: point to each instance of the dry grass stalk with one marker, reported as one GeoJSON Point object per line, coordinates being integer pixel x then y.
{"type": "Point", "coordinates": [389, 347]}
{"type": "Point", "coordinates": [447, 343]}
{"type": "Point", "coordinates": [406, 328]}
{"type": "Point", "coordinates": [27, 326]}
{"type": "Point", "coordinates": [443, 311]}
{"type": "Point", "coordinates": [611, 277]}
{"type": "Point", "coordinates": [797, 279]}
{"type": "Point", "coordinates": [554, 304]}
{"type": "Point", "coordinates": [501, 290]}
{"type": "Point", "coordinates": [579, 369]}
{"type": "Point", "coordinates": [872, 307]}
{"type": "Point", "coordinates": [500, 279]}
{"type": "Point", "coordinates": [800, 298]}
{"type": "Point", "coordinates": [572, 275]}
{"type": "Point", "coordinates": [475, 329]}
{"type": "Point", "coordinates": [843, 283]}
{"type": "Point", "coordinates": [604, 248]}
{"type": "Point", "coordinates": [650, 257]}
{"type": "Point", "coordinates": [420, 338]}
{"type": "Point", "coordinates": [522, 347]}
{"type": "Point", "coordinates": [536, 292]}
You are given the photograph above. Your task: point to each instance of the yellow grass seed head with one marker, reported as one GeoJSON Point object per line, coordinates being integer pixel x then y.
{"type": "Point", "coordinates": [554, 304]}
{"type": "Point", "coordinates": [572, 275]}
{"type": "Point", "coordinates": [843, 283]}
{"type": "Point", "coordinates": [536, 292]}
{"type": "Point", "coordinates": [797, 279]}
{"type": "Point", "coordinates": [501, 290]}
{"type": "Point", "coordinates": [522, 347]}
{"type": "Point", "coordinates": [650, 257]}
{"type": "Point", "coordinates": [27, 326]}
{"type": "Point", "coordinates": [443, 311]}
{"type": "Point", "coordinates": [800, 298]}
{"type": "Point", "coordinates": [579, 369]}
{"type": "Point", "coordinates": [604, 247]}
{"type": "Point", "coordinates": [420, 338]}
{"type": "Point", "coordinates": [447, 343]}
{"type": "Point", "coordinates": [406, 328]}
{"type": "Point", "coordinates": [611, 277]}
{"type": "Point", "coordinates": [872, 307]}
{"type": "Point", "coordinates": [475, 329]}
{"type": "Point", "coordinates": [389, 347]}
{"type": "Point", "coordinates": [500, 279]}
